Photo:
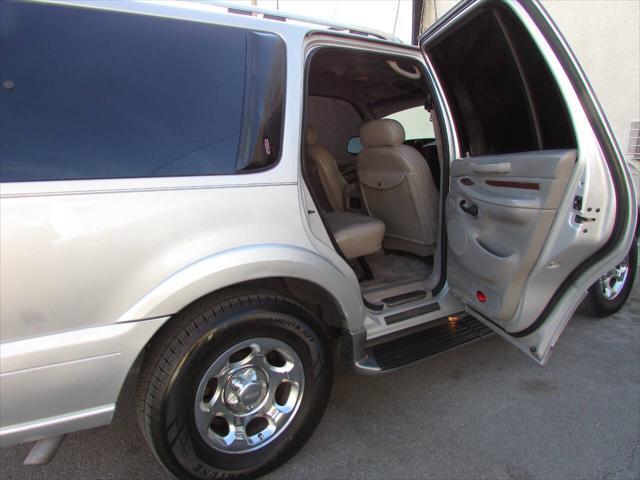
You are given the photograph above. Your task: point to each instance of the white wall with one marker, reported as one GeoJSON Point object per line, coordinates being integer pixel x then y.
{"type": "Point", "coordinates": [605, 36]}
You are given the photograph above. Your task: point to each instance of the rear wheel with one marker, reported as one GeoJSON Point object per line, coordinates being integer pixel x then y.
{"type": "Point", "coordinates": [611, 291]}
{"type": "Point", "coordinates": [234, 386]}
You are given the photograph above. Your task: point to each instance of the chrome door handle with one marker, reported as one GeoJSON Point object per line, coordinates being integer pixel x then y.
{"type": "Point", "coordinates": [502, 167]}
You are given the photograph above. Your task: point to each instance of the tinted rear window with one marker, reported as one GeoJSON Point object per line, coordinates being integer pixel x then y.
{"type": "Point", "coordinates": [502, 94]}
{"type": "Point", "coordinates": [91, 94]}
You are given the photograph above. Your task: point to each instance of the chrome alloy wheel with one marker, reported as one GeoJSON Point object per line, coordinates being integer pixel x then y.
{"type": "Point", "coordinates": [249, 395]}
{"type": "Point", "coordinates": [613, 281]}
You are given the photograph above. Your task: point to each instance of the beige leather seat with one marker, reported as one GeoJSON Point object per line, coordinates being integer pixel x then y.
{"type": "Point", "coordinates": [333, 183]}
{"type": "Point", "coordinates": [397, 187]}
{"type": "Point", "coordinates": [356, 235]}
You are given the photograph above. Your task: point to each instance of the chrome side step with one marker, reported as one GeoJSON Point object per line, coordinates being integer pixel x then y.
{"type": "Point", "coordinates": [44, 450]}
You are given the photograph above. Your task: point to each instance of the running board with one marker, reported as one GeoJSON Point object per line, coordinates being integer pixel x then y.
{"type": "Point", "coordinates": [398, 351]}
{"type": "Point", "coordinates": [429, 342]}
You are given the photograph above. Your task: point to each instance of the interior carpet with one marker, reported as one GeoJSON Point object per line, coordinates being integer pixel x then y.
{"type": "Point", "coordinates": [396, 267]}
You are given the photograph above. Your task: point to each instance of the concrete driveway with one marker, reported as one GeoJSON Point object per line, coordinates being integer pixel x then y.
{"type": "Point", "coordinates": [483, 411]}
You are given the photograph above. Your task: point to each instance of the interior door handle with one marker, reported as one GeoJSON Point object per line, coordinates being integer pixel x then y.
{"type": "Point", "coordinates": [502, 167]}
{"type": "Point", "coordinates": [470, 209]}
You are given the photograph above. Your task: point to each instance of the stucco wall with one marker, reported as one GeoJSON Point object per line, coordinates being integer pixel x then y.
{"type": "Point", "coordinates": [605, 36]}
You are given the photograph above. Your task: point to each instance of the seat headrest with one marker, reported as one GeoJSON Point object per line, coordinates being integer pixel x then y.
{"type": "Point", "coordinates": [310, 135]}
{"type": "Point", "coordinates": [382, 133]}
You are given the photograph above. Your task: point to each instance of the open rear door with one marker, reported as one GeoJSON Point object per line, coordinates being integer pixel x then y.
{"type": "Point", "coordinates": [540, 202]}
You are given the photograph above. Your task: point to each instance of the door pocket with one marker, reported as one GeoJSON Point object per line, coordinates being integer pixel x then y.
{"type": "Point", "coordinates": [486, 264]}
{"type": "Point", "coordinates": [493, 251]}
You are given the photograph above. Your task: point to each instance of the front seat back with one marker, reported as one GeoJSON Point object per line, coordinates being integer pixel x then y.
{"type": "Point", "coordinates": [326, 167]}
{"type": "Point", "coordinates": [397, 187]}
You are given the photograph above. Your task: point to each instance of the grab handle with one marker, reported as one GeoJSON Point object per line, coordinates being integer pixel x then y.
{"type": "Point", "coordinates": [502, 167]}
{"type": "Point", "coordinates": [471, 209]}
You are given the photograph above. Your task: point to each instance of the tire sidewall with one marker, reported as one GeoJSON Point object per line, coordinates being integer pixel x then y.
{"type": "Point", "coordinates": [189, 451]}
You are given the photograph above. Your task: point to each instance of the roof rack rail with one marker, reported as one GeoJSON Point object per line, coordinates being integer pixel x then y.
{"type": "Point", "coordinates": [284, 16]}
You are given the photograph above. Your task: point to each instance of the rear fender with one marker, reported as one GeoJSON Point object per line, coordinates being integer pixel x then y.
{"type": "Point", "coordinates": [238, 265]}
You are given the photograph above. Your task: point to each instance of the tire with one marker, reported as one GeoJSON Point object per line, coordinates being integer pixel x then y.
{"type": "Point", "coordinates": [602, 302]}
{"type": "Point", "coordinates": [173, 391]}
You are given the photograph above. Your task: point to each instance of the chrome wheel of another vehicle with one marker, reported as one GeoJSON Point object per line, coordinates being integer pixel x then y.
{"type": "Point", "coordinates": [249, 395]}
{"type": "Point", "coordinates": [613, 281]}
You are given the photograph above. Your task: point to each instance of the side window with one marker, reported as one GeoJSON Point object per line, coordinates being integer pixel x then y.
{"type": "Point", "coordinates": [90, 94]}
{"type": "Point", "coordinates": [416, 123]}
{"type": "Point", "coordinates": [354, 145]}
{"type": "Point", "coordinates": [502, 96]}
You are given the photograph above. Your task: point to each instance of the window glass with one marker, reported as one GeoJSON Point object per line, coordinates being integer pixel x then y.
{"type": "Point", "coordinates": [500, 90]}
{"type": "Point", "coordinates": [354, 146]}
{"type": "Point", "coordinates": [416, 123]}
{"type": "Point", "coordinates": [95, 94]}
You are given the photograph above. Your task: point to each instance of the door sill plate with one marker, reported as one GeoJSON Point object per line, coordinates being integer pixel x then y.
{"type": "Point", "coordinates": [403, 298]}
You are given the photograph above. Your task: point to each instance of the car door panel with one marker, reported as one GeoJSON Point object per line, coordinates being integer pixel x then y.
{"type": "Point", "coordinates": [514, 210]}
{"type": "Point", "coordinates": [528, 232]}
{"type": "Point", "coordinates": [534, 179]}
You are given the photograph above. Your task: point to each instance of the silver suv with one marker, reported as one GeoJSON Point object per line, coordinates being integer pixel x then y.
{"type": "Point", "coordinates": [224, 193]}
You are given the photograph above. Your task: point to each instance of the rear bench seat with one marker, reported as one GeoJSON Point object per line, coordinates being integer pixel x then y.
{"type": "Point", "coordinates": [356, 235]}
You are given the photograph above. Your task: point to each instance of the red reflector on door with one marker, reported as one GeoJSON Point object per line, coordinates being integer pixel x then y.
{"type": "Point", "coordinates": [481, 296]}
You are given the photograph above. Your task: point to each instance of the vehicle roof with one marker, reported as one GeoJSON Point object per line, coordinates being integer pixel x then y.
{"type": "Point", "coordinates": [220, 12]}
